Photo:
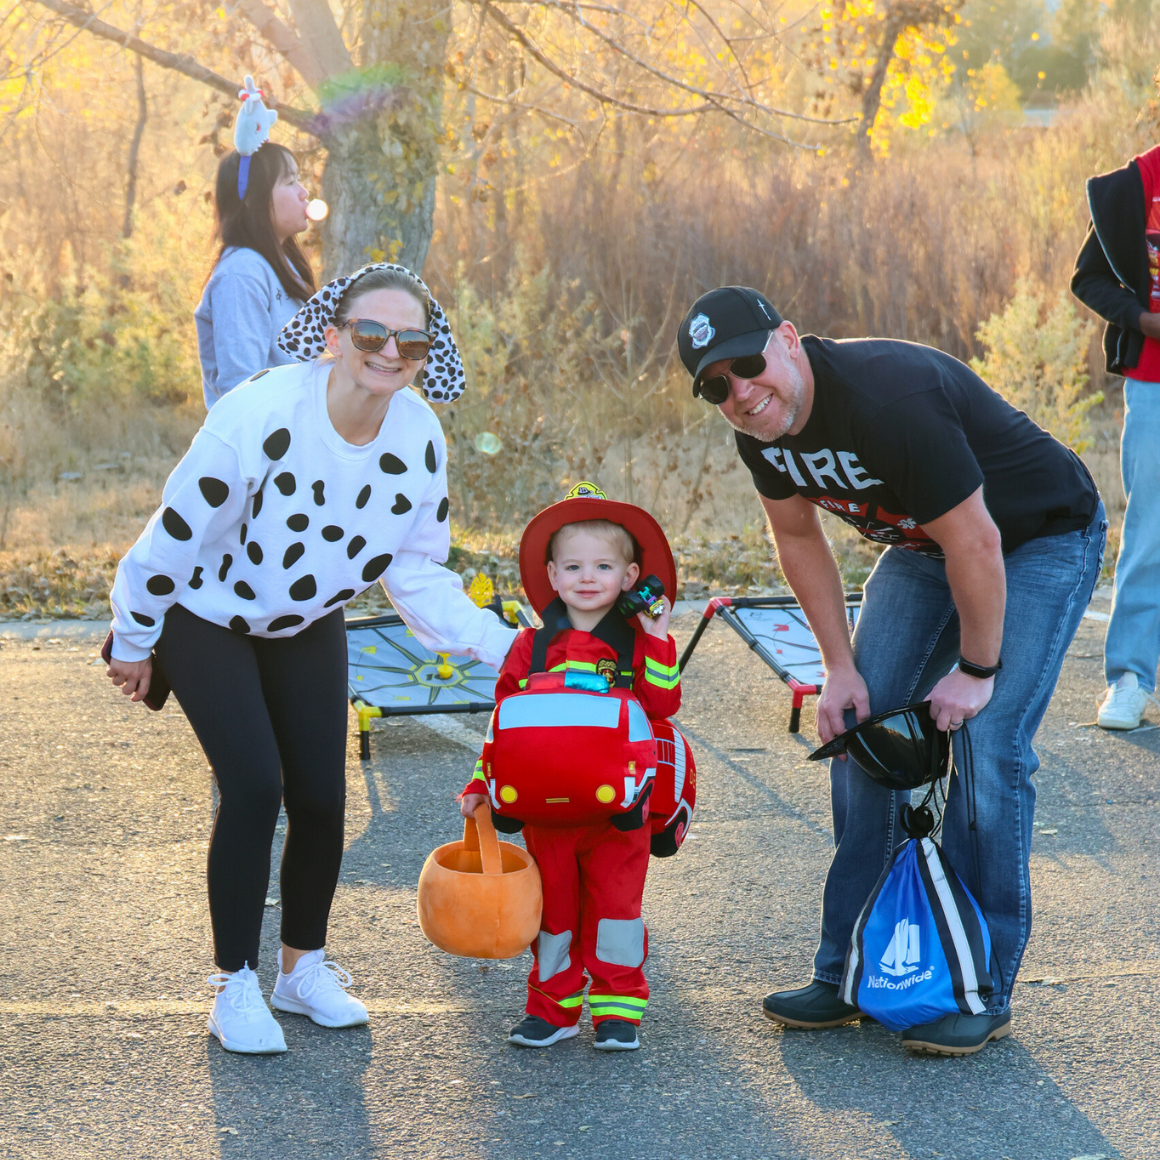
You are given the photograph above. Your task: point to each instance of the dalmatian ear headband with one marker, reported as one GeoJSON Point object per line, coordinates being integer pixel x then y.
{"type": "Point", "coordinates": [304, 336]}
{"type": "Point", "coordinates": [251, 130]}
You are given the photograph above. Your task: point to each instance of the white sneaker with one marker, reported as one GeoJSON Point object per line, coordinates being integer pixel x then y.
{"type": "Point", "coordinates": [240, 1017]}
{"type": "Point", "coordinates": [1124, 704]}
{"type": "Point", "coordinates": [317, 988]}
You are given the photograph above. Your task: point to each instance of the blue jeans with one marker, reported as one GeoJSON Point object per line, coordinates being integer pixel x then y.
{"type": "Point", "coordinates": [1133, 641]}
{"type": "Point", "coordinates": [907, 639]}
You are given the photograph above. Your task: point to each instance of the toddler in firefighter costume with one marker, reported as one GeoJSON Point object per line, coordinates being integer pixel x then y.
{"type": "Point", "coordinates": [577, 560]}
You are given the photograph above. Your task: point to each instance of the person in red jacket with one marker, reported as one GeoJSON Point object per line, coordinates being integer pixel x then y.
{"type": "Point", "coordinates": [593, 875]}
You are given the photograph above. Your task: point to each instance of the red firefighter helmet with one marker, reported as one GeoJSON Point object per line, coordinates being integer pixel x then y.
{"type": "Point", "coordinates": [674, 795]}
{"type": "Point", "coordinates": [559, 756]}
{"type": "Point", "coordinates": [587, 502]}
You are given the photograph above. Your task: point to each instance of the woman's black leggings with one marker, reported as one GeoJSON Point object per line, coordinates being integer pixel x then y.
{"type": "Point", "coordinates": [271, 716]}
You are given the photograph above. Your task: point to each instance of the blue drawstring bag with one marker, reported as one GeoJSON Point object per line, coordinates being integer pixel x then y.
{"type": "Point", "coordinates": [920, 948]}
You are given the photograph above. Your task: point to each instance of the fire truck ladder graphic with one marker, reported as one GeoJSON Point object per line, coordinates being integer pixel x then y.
{"type": "Point", "coordinates": [775, 628]}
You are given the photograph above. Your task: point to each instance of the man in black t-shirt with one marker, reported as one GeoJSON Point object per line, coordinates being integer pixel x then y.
{"type": "Point", "coordinates": [995, 535]}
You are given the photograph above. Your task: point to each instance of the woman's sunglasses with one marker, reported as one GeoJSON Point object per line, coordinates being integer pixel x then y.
{"type": "Point", "coordinates": [715, 390]}
{"type": "Point", "coordinates": [371, 336]}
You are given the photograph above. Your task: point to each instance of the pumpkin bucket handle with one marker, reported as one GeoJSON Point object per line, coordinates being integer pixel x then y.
{"type": "Point", "coordinates": [479, 834]}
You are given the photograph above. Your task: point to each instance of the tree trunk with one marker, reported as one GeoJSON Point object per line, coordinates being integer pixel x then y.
{"type": "Point", "coordinates": [872, 95]}
{"type": "Point", "coordinates": [135, 148]}
{"type": "Point", "coordinates": [381, 170]}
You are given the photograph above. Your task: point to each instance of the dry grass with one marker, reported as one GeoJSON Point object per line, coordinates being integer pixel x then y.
{"type": "Point", "coordinates": [64, 538]}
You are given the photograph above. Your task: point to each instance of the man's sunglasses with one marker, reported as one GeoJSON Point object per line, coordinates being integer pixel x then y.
{"type": "Point", "coordinates": [371, 336]}
{"type": "Point", "coordinates": [715, 390]}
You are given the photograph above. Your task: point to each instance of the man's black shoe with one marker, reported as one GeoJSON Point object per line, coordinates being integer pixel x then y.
{"type": "Point", "coordinates": [536, 1032]}
{"type": "Point", "coordinates": [811, 1008]}
{"type": "Point", "coordinates": [957, 1034]}
{"type": "Point", "coordinates": [616, 1035]}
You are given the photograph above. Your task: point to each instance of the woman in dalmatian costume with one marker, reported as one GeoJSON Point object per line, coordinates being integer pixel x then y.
{"type": "Point", "coordinates": [306, 485]}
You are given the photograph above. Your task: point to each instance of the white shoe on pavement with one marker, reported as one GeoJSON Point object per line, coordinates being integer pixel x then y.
{"type": "Point", "coordinates": [1123, 705]}
{"type": "Point", "coordinates": [316, 988]}
{"type": "Point", "coordinates": [240, 1018]}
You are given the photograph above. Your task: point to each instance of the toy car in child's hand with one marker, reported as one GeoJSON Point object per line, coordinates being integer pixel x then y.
{"type": "Point", "coordinates": [645, 597]}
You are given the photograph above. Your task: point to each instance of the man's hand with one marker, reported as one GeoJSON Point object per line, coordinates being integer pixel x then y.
{"type": "Point", "coordinates": [843, 690]}
{"type": "Point", "coordinates": [132, 676]}
{"type": "Point", "coordinates": [1150, 324]}
{"type": "Point", "coordinates": [470, 802]}
{"type": "Point", "coordinates": [958, 698]}
{"type": "Point", "coordinates": [659, 627]}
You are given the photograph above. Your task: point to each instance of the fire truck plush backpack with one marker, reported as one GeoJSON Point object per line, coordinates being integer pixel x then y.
{"type": "Point", "coordinates": [575, 748]}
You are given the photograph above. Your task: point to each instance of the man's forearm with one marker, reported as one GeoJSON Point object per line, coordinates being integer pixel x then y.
{"type": "Point", "coordinates": [812, 573]}
{"type": "Point", "coordinates": [978, 583]}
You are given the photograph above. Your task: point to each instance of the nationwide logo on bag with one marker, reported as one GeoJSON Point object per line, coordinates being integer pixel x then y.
{"type": "Point", "coordinates": [920, 948]}
{"type": "Point", "coordinates": [904, 953]}
{"type": "Point", "coordinates": [902, 960]}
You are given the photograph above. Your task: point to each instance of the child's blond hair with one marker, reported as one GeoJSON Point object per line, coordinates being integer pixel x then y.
{"type": "Point", "coordinates": [615, 534]}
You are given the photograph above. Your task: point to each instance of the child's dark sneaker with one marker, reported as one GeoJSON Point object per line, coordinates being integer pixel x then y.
{"type": "Point", "coordinates": [616, 1035]}
{"type": "Point", "coordinates": [537, 1032]}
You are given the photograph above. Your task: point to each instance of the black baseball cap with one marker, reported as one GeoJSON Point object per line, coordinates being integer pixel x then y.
{"type": "Point", "coordinates": [729, 322]}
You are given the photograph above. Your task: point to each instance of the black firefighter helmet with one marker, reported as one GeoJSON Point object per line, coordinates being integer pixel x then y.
{"type": "Point", "coordinates": [900, 749]}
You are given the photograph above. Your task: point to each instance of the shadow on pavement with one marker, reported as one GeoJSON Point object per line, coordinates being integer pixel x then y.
{"type": "Point", "coordinates": [308, 1102]}
{"type": "Point", "coordinates": [975, 1106]}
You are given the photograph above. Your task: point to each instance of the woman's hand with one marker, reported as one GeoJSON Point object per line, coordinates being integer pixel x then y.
{"type": "Point", "coordinates": [132, 676]}
{"type": "Point", "coordinates": [659, 627]}
{"type": "Point", "coordinates": [470, 802]}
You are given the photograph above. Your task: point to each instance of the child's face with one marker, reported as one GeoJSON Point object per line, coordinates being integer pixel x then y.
{"type": "Point", "coordinates": [589, 572]}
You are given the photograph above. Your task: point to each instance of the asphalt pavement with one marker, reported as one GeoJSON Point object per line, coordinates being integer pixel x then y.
{"type": "Point", "coordinates": [105, 936]}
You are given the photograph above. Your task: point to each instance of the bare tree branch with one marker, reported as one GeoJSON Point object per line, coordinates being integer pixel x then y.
{"type": "Point", "coordinates": [714, 101]}
{"type": "Point", "coordinates": [608, 99]}
{"type": "Point", "coordinates": [539, 110]}
{"type": "Point", "coordinates": [283, 40]}
{"type": "Point", "coordinates": [537, 53]}
{"type": "Point", "coordinates": [676, 82]}
{"type": "Point", "coordinates": [182, 64]}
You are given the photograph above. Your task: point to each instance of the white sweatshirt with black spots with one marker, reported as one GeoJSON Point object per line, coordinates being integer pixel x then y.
{"type": "Point", "coordinates": [272, 520]}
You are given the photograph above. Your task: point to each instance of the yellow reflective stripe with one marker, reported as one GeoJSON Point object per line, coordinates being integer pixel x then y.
{"type": "Point", "coordinates": [571, 1001]}
{"type": "Point", "coordinates": [662, 681]}
{"type": "Point", "coordinates": [478, 768]}
{"type": "Point", "coordinates": [665, 671]}
{"type": "Point", "coordinates": [602, 1004]}
{"type": "Point", "coordinates": [524, 683]}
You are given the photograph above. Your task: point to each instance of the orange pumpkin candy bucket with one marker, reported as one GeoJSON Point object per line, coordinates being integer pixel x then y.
{"type": "Point", "coordinates": [480, 898]}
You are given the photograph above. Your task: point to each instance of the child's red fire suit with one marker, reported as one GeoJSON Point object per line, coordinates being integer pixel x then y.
{"type": "Point", "coordinates": [593, 875]}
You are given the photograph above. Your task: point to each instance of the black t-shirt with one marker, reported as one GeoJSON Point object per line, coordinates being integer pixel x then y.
{"type": "Point", "coordinates": [900, 433]}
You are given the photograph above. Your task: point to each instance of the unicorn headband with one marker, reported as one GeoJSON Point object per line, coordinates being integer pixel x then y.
{"type": "Point", "coordinates": [251, 130]}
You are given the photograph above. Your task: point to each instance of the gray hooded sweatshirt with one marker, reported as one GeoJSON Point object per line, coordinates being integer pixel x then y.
{"type": "Point", "coordinates": [238, 319]}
